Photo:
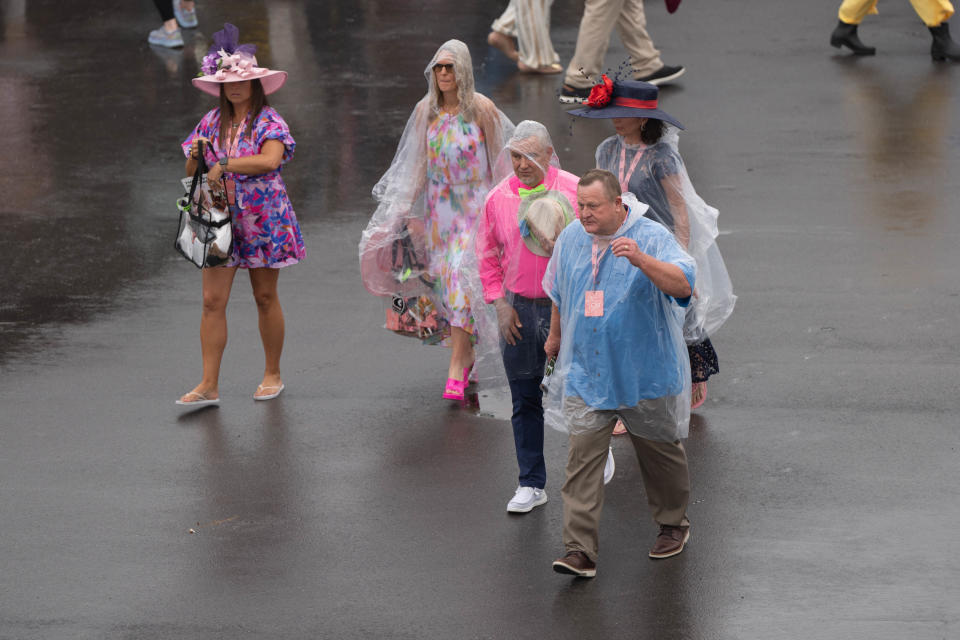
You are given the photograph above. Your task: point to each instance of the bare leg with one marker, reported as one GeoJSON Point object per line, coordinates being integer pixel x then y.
{"type": "Point", "coordinates": [461, 353]}
{"type": "Point", "coordinates": [504, 30]}
{"type": "Point", "coordinates": [213, 329]}
{"type": "Point", "coordinates": [504, 43]}
{"type": "Point", "coordinates": [537, 54]}
{"type": "Point", "coordinates": [264, 282]}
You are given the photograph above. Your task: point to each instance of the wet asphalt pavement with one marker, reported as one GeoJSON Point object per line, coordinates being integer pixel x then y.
{"type": "Point", "coordinates": [825, 463]}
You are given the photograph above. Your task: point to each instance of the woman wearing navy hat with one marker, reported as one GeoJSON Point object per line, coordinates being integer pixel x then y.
{"type": "Point", "coordinates": [644, 156]}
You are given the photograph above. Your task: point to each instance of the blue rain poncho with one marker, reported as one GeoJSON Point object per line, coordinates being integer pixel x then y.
{"type": "Point", "coordinates": [635, 351]}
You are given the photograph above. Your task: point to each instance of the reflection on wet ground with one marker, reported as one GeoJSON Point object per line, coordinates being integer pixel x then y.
{"type": "Point", "coordinates": [902, 129]}
{"type": "Point", "coordinates": [493, 403]}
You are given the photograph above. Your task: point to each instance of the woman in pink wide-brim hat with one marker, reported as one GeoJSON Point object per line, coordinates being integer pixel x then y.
{"type": "Point", "coordinates": [246, 142]}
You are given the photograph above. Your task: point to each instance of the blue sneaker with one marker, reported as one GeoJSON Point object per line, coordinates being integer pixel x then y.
{"type": "Point", "coordinates": [186, 18]}
{"type": "Point", "coordinates": [163, 38]}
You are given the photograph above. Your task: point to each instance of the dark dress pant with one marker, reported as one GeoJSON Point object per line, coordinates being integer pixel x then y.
{"type": "Point", "coordinates": [524, 363]}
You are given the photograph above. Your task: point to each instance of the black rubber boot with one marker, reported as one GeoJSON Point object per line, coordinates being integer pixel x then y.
{"type": "Point", "coordinates": [943, 47]}
{"type": "Point", "coordinates": [846, 35]}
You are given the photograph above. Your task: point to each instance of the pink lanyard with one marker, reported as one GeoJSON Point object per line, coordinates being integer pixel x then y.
{"type": "Point", "coordinates": [233, 147]}
{"type": "Point", "coordinates": [232, 150]}
{"type": "Point", "coordinates": [595, 258]}
{"type": "Point", "coordinates": [625, 179]}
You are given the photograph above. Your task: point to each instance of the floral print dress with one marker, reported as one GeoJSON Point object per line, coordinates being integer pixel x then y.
{"type": "Point", "coordinates": [265, 229]}
{"type": "Point", "coordinates": [457, 171]}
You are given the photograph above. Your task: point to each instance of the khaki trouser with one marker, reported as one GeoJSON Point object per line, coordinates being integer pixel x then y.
{"type": "Point", "coordinates": [666, 479]}
{"type": "Point", "coordinates": [599, 18]}
{"type": "Point", "coordinates": [932, 12]}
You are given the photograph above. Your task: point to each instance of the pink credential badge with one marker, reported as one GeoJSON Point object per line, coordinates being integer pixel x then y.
{"type": "Point", "coordinates": [594, 304]}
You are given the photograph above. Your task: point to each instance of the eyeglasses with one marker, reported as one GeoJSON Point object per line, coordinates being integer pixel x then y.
{"type": "Point", "coordinates": [443, 66]}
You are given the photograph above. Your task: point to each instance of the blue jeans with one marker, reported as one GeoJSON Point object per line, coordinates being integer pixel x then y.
{"type": "Point", "coordinates": [524, 363]}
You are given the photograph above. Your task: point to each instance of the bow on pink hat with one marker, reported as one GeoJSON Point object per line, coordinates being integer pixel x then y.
{"type": "Point", "coordinates": [229, 61]}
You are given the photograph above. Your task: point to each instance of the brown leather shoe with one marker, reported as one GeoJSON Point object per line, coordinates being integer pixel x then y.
{"type": "Point", "coordinates": [670, 541]}
{"type": "Point", "coordinates": [575, 563]}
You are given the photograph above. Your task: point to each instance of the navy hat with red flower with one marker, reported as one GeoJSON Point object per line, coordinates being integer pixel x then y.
{"type": "Point", "coordinates": [624, 99]}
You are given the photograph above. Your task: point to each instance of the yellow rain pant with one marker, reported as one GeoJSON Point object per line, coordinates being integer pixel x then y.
{"type": "Point", "coordinates": [932, 12]}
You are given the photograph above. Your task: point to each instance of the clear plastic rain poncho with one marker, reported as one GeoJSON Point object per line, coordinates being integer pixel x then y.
{"type": "Point", "coordinates": [632, 359]}
{"type": "Point", "coordinates": [429, 201]}
{"type": "Point", "coordinates": [660, 180]}
{"type": "Point", "coordinates": [514, 241]}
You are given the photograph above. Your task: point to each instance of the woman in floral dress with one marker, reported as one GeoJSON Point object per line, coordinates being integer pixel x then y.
{"type": "Point", "coordinates": [246, 142]}
{"type": "Point", "coordinates": [434, 190]}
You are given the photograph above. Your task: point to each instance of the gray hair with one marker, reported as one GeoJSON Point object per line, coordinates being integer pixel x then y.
{"type": "Point", "coordinates": [462, 69]}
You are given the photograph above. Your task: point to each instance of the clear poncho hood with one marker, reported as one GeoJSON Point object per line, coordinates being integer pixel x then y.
{"type": "Point", "coordinates": [456, 52]}
{"type": "Point", "coordinates": [531, 140]}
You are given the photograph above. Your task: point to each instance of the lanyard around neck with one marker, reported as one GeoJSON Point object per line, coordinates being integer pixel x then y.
{"type": "Point", "coordinates": [234, 145]}
{"type": "Point", "coordinates": [596, 256]}
{"type": "Point", "coordinates": [625, 178]}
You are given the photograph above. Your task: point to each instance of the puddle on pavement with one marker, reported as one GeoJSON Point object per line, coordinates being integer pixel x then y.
{"type": "Point", "coordinates": [491, 403]}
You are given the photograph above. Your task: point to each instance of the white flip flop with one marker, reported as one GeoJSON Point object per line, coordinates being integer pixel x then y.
{"type": "Point", "coordinates": [204, 401]}
{"type": "Point", "coordinates": [269, 396]}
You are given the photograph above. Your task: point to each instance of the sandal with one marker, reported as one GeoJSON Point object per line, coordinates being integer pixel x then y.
{"type": "Point", "coordinates": [547, 69]}
{"type": "Point", "coordinates": [454, 389]}
{"type": "Point", "coordinates": [466, 375]}
{"type": "Point", "coordinates": [201, 401]}
{"type": "Point", "coordinates": [277, 390]}
{"type": "Point", "coordinates": [698, 393]}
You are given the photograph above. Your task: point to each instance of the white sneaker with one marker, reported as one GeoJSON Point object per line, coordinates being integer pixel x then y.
{"type": "Point", "coordinates": [525, 499]}
{"type": "Point", "coordinates": [609, 468]}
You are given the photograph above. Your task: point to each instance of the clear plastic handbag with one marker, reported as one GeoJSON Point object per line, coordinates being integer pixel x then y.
{"type": "Point", "coordinates": [205, 233]}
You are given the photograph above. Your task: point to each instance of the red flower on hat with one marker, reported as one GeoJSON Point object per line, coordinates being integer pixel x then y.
{"type": "Point", "coordinates": [601, 94]}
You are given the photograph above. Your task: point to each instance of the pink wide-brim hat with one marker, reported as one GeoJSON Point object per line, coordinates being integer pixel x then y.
{"type": "Point", "coordinates": [229, 61]}
{"type": "Point", "coordinates": [271, 79]}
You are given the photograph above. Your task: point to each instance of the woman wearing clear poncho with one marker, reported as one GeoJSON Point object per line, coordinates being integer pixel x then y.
{"type": "Point", "coordinates": [430, 199]}
{"type": "Point", "coordinates": [645, 158]}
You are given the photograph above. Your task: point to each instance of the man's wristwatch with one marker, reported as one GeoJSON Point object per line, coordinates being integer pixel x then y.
{"type": "Point", "coordinates": [223, 161]}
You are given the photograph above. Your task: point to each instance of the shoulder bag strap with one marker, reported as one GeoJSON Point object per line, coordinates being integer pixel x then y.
{"type": "Point", "coordinates": [198, 174]}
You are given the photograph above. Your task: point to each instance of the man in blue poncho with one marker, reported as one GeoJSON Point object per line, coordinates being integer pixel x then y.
{"type": "Point", "coordinates": [619, 283]}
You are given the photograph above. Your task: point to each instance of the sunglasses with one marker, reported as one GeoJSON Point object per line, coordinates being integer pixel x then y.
{"type": "Point", "coordinates": [443, 66]}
